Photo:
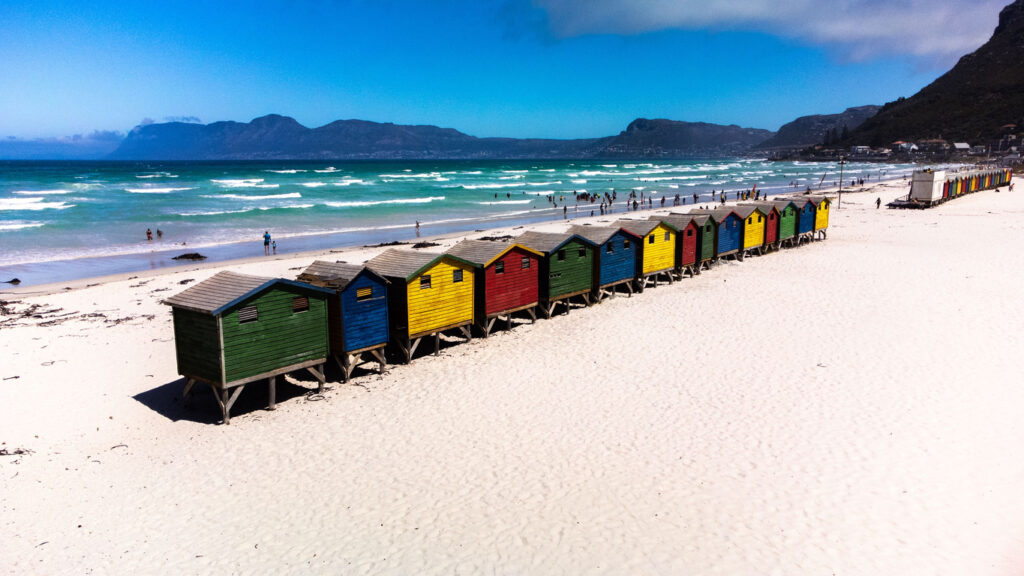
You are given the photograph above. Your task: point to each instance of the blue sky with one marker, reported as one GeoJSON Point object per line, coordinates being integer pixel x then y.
{"type": "Point", "coordinates": [520, 68]}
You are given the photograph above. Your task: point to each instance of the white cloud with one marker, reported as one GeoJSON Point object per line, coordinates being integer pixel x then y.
{"type": "Point", "coordinates": [858, 29]}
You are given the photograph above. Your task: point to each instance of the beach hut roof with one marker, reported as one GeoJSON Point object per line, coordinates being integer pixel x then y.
{"type": "Point", "coordinates": [675, 221]}
{"type": "Point", "coordinates": [549, 242]}
{"type": "Point", "coordinates": [765, 207]}
{"type": "Point", "coordinates": [596, 234]}
{"type": "Point", "coordinates": [484, 252]}
{"type": "Point", "coordinates": [720, 214]}
{"type": "Point", "coordinates": [818, 200]}
{"type": "Point", "coordinates": [225, 289]}
{"type": "Point", "coordinates": [781, 205]}
{"type": "Point", "coordinates": [745, 210]}
{"type": "Point", "coordinates": [698, 216]}
{"type": "Point", "coordinates": [406, 264]}
{"type": "Point", "coordinates": [640, 228]}
{"type": "Point", "coordinates": [336, 275]}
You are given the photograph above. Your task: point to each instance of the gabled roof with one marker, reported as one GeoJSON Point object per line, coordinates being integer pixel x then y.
{"type": "Point", "coordinates": [549, 242]}
{"type": "Point", "coordinates": [640, 228]}
{"type": "Point", "coordinates": [335, 275]}
{"type": "Point", "coordinates": [818, 200]}
{"type": "Point", "coordinates": [720, 214]}
{"type": "Point", "coordinates": [801, 201]}
{"type": "Point", "coordinates": [765, 207]}
{"type": "Point", "coordinates": [225, 289]}
{"type": "Point", "coordinates": [596, 234]}
{"type": "Point", "coordinates": [675, 221]}
{"type": "Point", "coordinates": [699, 216]}
{"type": "Point", "coordinates": [483, 253]}
{"type": "Point", "coordinates": [745, 210]}
{"type": "Point", "coordinates": [782, 204]}
{"type": "Point", "coordinates": [406, 264]}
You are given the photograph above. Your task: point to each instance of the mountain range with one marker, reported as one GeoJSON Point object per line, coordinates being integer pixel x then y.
{"type": "Point", "coordinates": [281, 137]}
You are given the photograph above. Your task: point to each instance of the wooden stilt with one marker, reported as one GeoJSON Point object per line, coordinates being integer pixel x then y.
{"type": "Point", "coordinates": [318, 373]}
{"type": "Point", "coordinates": [533, 315]}
{"type": "Point", "coordinates": [189, 384]}
{"type": "Point", "coordinates": [412, 349]}
{"type": "Point", "coordinates": [437, 343]}
{"type": "Point", "coordinates": [378, 353]}
{"type": "Point", "coordinates": [272, 389]}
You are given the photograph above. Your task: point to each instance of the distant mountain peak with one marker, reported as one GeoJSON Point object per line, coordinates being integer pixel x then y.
{"type": "Point", "coordinates": [971, 102]}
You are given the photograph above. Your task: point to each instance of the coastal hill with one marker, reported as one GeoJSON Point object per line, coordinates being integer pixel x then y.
{"type": "Point", "coordinates": [280, 137]}
{"type": "Point", "coordinates": [975, 100]}
{"type": "Point", "coordinates": [645, 138]}
{"type": "Point", "coordinates": [811, 130]}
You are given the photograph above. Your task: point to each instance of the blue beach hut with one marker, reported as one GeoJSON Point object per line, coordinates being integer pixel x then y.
{"type": "Point", "coordinates": [806, 212]}
{"type": "Point", "coordinates": [730, 232]}
{"type": "Point", "coordinates": [616, 259]}
{"type": "Point", "coordinates": [357, 313]}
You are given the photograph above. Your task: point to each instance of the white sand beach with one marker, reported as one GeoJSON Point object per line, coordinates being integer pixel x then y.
{"type": "Point", "coordinates": [851, 406]}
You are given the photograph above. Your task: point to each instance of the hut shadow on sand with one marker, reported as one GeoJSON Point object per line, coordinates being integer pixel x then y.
{"type": "Point", "coordinates": [202, 407]}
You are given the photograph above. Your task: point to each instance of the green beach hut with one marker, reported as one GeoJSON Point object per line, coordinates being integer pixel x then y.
{"type": "Point", "coordinates": [233, 329]}
{"type": "Point", "coordinates": [566, 270]}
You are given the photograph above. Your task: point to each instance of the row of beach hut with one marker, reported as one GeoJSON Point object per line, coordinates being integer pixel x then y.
{"type": "Point", "coordinates": [235, 329]}
{"type": "Point", "coordinates": [931, 187]}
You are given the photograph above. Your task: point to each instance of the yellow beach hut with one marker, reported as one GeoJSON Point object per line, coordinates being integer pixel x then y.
{"type": "Point", "coordinates": [822, 205]}
{"type": "Point", "coordinates": [428, 294]}
{"type": "Point", "coordinates": [657, 249]}
{"type": "Point", "coordinates": [754, 220]}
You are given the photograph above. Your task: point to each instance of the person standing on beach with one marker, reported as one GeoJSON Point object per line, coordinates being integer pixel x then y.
{"type": "Point", "coordinates": [159, 234]}
{"type": "Point", "coordinates": [273, 246]}
{"type": "Point", "coordinates": [266, 242]}
{"type": "Point", "coordinates": [149, 234]}
{"type": "Point", "coordinates": [878, 203]}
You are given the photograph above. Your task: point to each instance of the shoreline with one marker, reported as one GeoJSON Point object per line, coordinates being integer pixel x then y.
{"type": "Point", "coordinates": [50, 276]}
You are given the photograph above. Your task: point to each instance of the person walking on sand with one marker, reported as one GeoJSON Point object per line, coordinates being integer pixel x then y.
{"type": "Point", "coordinates": [878, 203]}
{"type": "Point", "coordinates": [266, 242]}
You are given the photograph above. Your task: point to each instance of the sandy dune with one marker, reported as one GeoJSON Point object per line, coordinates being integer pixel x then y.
{"type": "Point", "coordinates": [850, 407]}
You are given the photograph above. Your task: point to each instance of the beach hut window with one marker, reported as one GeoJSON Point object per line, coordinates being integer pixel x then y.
{"type": "Point", "coordinates": [561, 255]}
{"type": "Point", "coordinates": [625, 243]}
{"type": "Point", "coordinates": [758, 218]}
{"type": "Point", "coordinates": [707, 228]}
{"type": "Point", "coordinates": [456, 277]}
{"type": "Point", "coordinates": [582, 253]}
{"type": "Point", "coordinates": [526, 263]}
{"type": "Point", "coordinates": [650, 239]}
{"type": "Point", "coordinates": [689, 232]}
{"type": "Point", "coordinates": [300, 304]}
{"type": "Point", "coordinates": [425, 281]}
{"type": "Point", "coordinates": [750, 220]}
{"type": "Point", "coordinates": [668, 236]}
{"type": "Point", "coordinates": [610, 248]}
{"type": "Point", "coordinates": [247, 314]}
{"type": "Point", "coordinates": [365, 293]}
{"type": "Point", "coordinates": [771, 216]}
{"type": "Point", "coordinates": [499, 267]}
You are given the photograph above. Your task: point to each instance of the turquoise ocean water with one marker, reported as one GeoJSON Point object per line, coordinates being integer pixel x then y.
{"type": "Point", "coordinates": [67, 220]}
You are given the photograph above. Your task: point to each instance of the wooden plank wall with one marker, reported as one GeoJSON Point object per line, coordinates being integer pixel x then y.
{"type": "Point", "coordinates": [619, 264]}
{"type": "Point", "coordinates": [515, 287]}
{"type": "Point", "coordinates": [659, 249]}
{"type": "Point", "coordinates": [364, 323]}
{"type": "Point", "coordinates": [729, 233]}
{"type": "Point", "coordinates": [197, 344]}
{"type": "Point", "coordinates": [787, 225]}
{"type": "Point", "coordinates": [572, 274]}
{"type": "Point", "coordinates": [278, 337]}
{"type": "Point", "coordinates": [688, 244]}
{"type": "Point", "coordinates": [445, 303]}
{"type": "Point", "coordinates": [753, 230]}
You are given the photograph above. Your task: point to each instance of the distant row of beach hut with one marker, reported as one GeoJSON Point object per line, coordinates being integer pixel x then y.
{"type": "Point", "coordinates": [932, 187]}
{"type": "Point", "coordinates": [235, 329]}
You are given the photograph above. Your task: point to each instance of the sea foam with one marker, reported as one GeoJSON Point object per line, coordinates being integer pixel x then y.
{"type": "Point", "coordinates": [361, 203]}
